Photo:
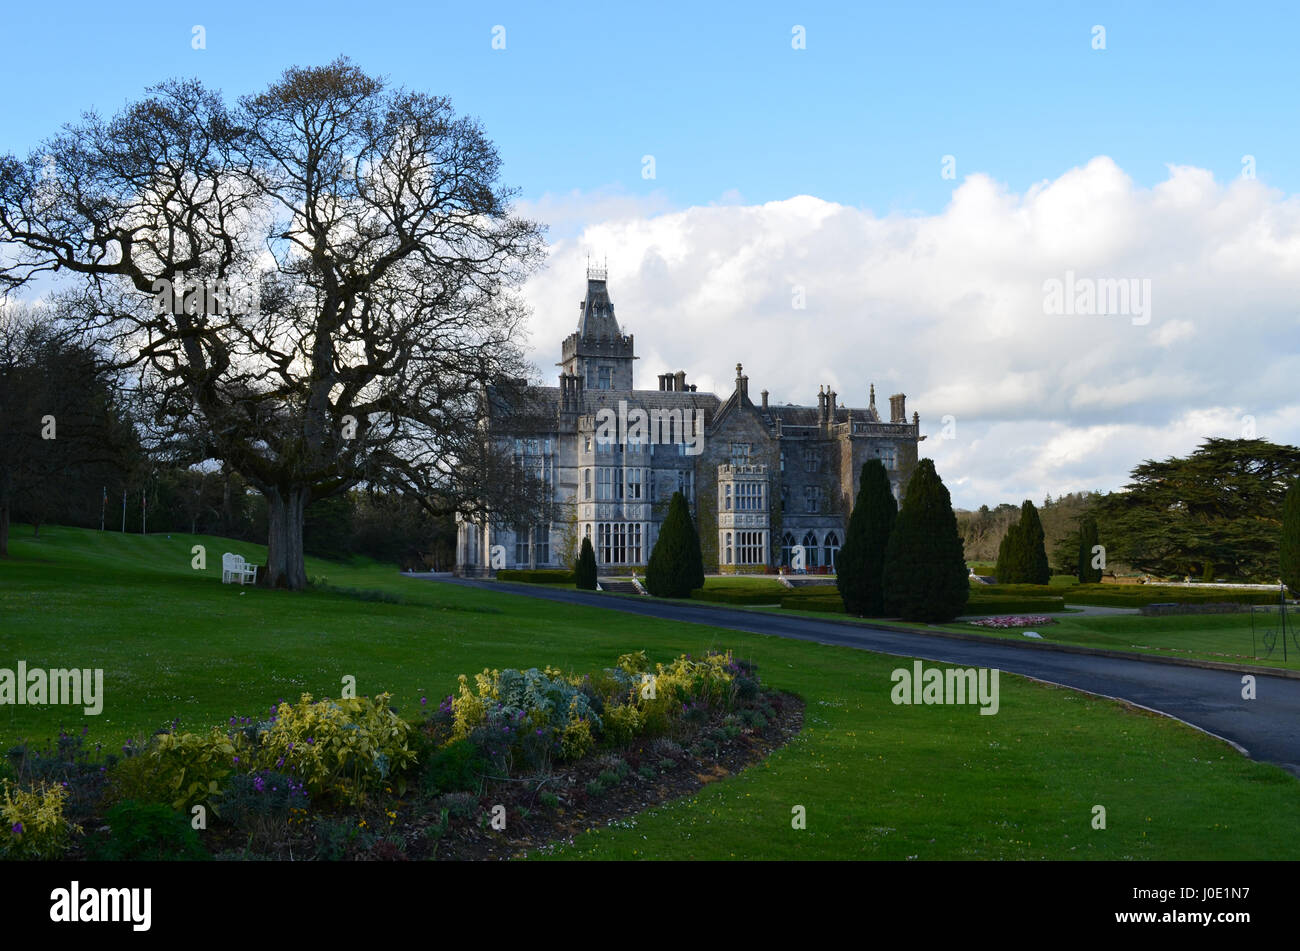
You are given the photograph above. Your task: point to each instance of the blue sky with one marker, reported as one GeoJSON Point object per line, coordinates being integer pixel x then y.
{"type": "Point", "coordinates": [862, 116]}
{"type": "Point", "coordinates": [815, 175]}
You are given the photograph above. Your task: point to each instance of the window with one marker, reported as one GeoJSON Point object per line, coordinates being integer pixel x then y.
{"type": "Point", "coordinates": [634, 483]}
{"type": "Point", "coordinates": [888, 456]}
{"type": "Point", "coordinates": [726, 497]}
{"type": "Point", "coordinates": [787, 549]}
{"type": "Point", "coordinates": [542, 544]}
{"type": "Point", "coordinates": [749, 497]}
{"type": "Point", "coordinates": [620, 543]}
{"type": "Point", "coordinates": [750, 548]}
{"type": "Point", "coordinates": [603, 446]}
{"type": "Point", "coordinates": [810, 549]}
{"type": "Point", "coordinates": [810, 461]}
{"type": "Point", "coordinates": [604, 492]}
{"type": "Point", "coordinates": [603, 379]}
{"type": "Point", "coordinates": [783, 460]}
{"type": "Point", "coordinates": [785, 498]}
{"type": "Point", "coordinates": [728, 547]}
{"type": "Point", "coordinates": [586, 484]}
{"type": "Point", "coordinates": [586, 444]}
{"type": "Point", "coordinates": [740, 453]}
{"type": "Point", "coordinates": [521, 547]}
{"type": "Point", "coordinates": [812, 498]}
{"type": "Point", "coordinates": [686, 483]}
{"type": "Point", "coordinates": [832, 549]}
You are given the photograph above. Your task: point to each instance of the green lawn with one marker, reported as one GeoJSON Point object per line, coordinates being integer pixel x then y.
{"type": "Point", "coordinates": [877, 780]}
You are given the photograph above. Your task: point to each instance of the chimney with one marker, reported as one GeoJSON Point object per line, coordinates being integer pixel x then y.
{"type": "Point", "coordinates": [821, 404]}
{"type": "Point", "coordinates": [744, 386]}
{"type": "Point", "coordinates": [831, 404]}
{"type": "Point", "coordinates": [898, 408]}
{"type": "Point", "coordinates": [679, 381]}
{"type": "Point", "coordinates": [872, 404]}
{"type": "Point", "coordinates": [692, 387]}
{"type": "Point", "coordinates": [765, 399]}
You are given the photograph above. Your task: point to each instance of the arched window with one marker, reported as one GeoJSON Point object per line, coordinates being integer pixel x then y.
{"type": "Point", "coordinates": [728, 548]}
{"type": "Point", "coordinates": [832, 549]}
{"type": "Point", "coordinates": [787, 549]}
{"type": "Point", "coordinates": [810, 549]}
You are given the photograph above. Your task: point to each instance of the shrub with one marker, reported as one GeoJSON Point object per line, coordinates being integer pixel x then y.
{"type": "Point", "coordinates": [339, 748]}
{"type": "Point", "coordinates": [191, 766]}
{"type": "Point", "coordinates": [263, 795]}
{"type": "Point", "coordinates": [622, 723]}
{"type": "Point", "coordinates": [676, 565]}
{"type": "Point", "coordinates": [925, 565]}
{"type": "Point", "coordinates": [584, 572]}
{"type": "Point", "coordinates": [536, 575]}
{"type": "Point", "coordinates": [549, 800]}
{"type": "Point", "coordinates": [1087, 574]}
{"type": "Point", "coordinates": [860, 566]}
{"type": "Point", "coordinates": [457, 767]}
{"type": "Point", "coordinates": [150, 832]}
{"type": "Point", "coordinates": [1289, 549]}
{"type": "Point", "coordinates": [34, 824]}
{"type": "Point", "coordinates": [576, 741]}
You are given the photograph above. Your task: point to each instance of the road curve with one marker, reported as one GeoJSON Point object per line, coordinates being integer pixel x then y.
{"type": "Point", "coordinates": [1267, 728]}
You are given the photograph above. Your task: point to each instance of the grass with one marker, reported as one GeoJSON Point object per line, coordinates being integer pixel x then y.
{"type": "Point", "coordinates": [877, 780]}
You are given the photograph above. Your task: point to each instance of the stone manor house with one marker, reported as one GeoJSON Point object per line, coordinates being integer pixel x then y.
{"type": "Point", "coordinates": [760, 478]}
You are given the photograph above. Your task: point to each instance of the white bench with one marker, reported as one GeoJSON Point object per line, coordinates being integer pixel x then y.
{"type": "Point", "coordinates": [235, 570]}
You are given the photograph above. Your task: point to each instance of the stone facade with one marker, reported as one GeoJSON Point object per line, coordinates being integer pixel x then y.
{"type": "Point", "coordinates": [760, 478]}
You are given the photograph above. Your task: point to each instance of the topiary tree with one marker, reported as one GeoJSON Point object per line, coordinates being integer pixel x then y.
{"type": "Point", "coordinates": [1087, 574]}
{"type": "Point", "coordinates": [584, 572]}
{"type": "Point", "coordinates": [860, 566]}
{"type": "Point", "coordinates": [676, 566]}
{"type": "Point", "coordinates": [925, 563]}
{"type": "Point", "coordinates": [1034, 546]}
{"type": "Point", "coordinates": [1289, 550]}
{"type": "Point", "coordinates": [1010, 568]}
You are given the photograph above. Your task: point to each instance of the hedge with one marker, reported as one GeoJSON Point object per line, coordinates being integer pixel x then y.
{"type": "Point", "coordinates": [536, 575]}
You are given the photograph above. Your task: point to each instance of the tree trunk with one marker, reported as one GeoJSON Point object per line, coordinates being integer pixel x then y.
{"type": "Point", "coordinates": [284, 559]}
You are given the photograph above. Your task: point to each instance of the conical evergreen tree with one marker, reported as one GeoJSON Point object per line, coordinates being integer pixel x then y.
{"type": "Point", "coordinates": [1009, 568]}
{"type": "Point", "coordinates": [1289, 551]}
{"type": "Point", "coordinates": [584, 572]}
{"type": "Point", "coordinates": [925, 563]}
{"type": "Point", "coordinates": [1087, 539]}
{"type": "Point", "coordinates": [860, 567]}
{"type": "Point", "coordinates": [676, 566]}
{"type": "Point", "coordinates": [1037, 568]}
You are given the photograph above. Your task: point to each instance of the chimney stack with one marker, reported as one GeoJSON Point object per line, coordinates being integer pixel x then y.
{"type": "Point", "coordinates": [898, 408]}
{"type": "Point", "coordinates": [679, 381]}
{"type": "Point", "coordinates": [765, 399]}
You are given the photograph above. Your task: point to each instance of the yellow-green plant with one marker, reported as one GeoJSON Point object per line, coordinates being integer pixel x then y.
{"type": "Point", "coordinates": [35, 827]}
{"type": "Point", "coordinates": [191, 766]}
{"type": "Point", "coordinates": [340, 748]}
{"type": "Point", "coordinates": [622, 723]}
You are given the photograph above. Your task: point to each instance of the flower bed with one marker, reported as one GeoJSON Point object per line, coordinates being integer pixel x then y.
{"type": "Point", "coordinates": [1015, 620]}
{"type": "Point", "coordinates": [510, 761]}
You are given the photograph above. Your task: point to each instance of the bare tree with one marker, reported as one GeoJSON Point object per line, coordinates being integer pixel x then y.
{"type": "Point", "coordinates": [318, 283]}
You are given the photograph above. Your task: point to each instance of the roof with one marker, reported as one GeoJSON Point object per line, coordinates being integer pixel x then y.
{"type": "Point", "coordinates": [811, 415]}
{"type": "Point", "coordinates": [597, 318]}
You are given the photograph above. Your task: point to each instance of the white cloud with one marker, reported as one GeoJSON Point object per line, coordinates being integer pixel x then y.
{"type": "Point", "coordinates": [949, 308]}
